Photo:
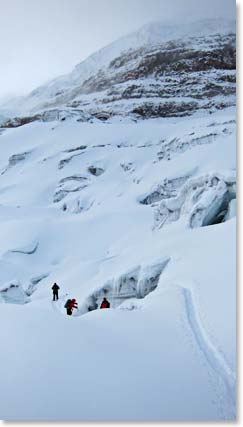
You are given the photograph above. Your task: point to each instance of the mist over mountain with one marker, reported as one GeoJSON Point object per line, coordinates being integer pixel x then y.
{"type": "Point", "coordinates": [150, 65]}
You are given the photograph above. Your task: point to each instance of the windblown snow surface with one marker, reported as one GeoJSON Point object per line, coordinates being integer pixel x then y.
{"type": "Point", "coordinates": [144, 214]}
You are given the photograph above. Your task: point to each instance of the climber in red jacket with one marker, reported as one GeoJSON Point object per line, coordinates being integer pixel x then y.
{"type": "Point", "coordinates": [73, 303]}
{"type": "Point", "coordinates": [105, 303]}
{"type": "Point", "coordinates": [70, 305]}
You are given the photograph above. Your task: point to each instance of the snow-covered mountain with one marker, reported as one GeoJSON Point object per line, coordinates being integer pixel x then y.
{"type": "Point", "coordinates": [119, 180]}
{"type": "Point", "coordinates": [160, 70]}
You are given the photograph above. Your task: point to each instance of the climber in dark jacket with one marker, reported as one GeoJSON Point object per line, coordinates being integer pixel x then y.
{"type": "Point", "coordinates": [55, 289]}
{"type": "Point", "coordinates": [68, 307]}
{"type": "Point", "coordinates": [105, 303]}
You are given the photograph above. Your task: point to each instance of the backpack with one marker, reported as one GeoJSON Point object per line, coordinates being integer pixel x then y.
{"type": "Point", "coordinates": [67, 304]}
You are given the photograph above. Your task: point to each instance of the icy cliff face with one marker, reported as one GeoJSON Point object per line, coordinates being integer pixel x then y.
{"type": "Point", "coordinates": [135, 284]}
{"type": "Point", "coordinates": [204, 200]}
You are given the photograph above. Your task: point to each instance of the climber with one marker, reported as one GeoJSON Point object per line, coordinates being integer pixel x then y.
{"type": "Point", "coordinates": [105, 303]}
{"type": "Point", "coordinates": [74, 303]}
{"type": "Point", "coordinates": [55, 289]}
{"type": "Point", "coordinates": [70, 305]}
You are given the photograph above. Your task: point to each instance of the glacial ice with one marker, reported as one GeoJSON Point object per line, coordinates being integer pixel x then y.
{"type": "Point", "coordinates": [134, 284]}
{"type": "Point", "coordinates": [167, 189]}
{"type": "Point", "coordinates": [13, 293]}
{"type": "Point", "coordinates": [203, 200]}
{"type": "Point", "coordinates": [69, 184]}
{"type": "Point", "coordinates": [96, 171]}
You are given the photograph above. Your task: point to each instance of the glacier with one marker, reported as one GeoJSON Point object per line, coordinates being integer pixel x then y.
{"type": "Point", "coordinates": [140, 209]}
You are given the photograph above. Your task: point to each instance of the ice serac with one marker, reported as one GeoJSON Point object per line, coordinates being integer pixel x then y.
{"type": "Point", "coordinates": [204, 200]}
{"type": "Point", "coordinates": [134, 284]}
{"type": "Point", "coordinates": [13, 293]}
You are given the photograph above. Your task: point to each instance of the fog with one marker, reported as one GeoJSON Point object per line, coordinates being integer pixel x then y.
{"type": "Point", "coordinates": [44, 39]}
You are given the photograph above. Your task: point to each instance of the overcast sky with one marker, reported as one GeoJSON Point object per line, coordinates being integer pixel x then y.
{"type": "Point", "coordinates": [42, 39]}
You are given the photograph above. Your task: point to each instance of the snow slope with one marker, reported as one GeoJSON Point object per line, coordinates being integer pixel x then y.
{"type": "Point", "coordinates": [145, 358]}
{"type": "Point", "coordinates": [142, 212]}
